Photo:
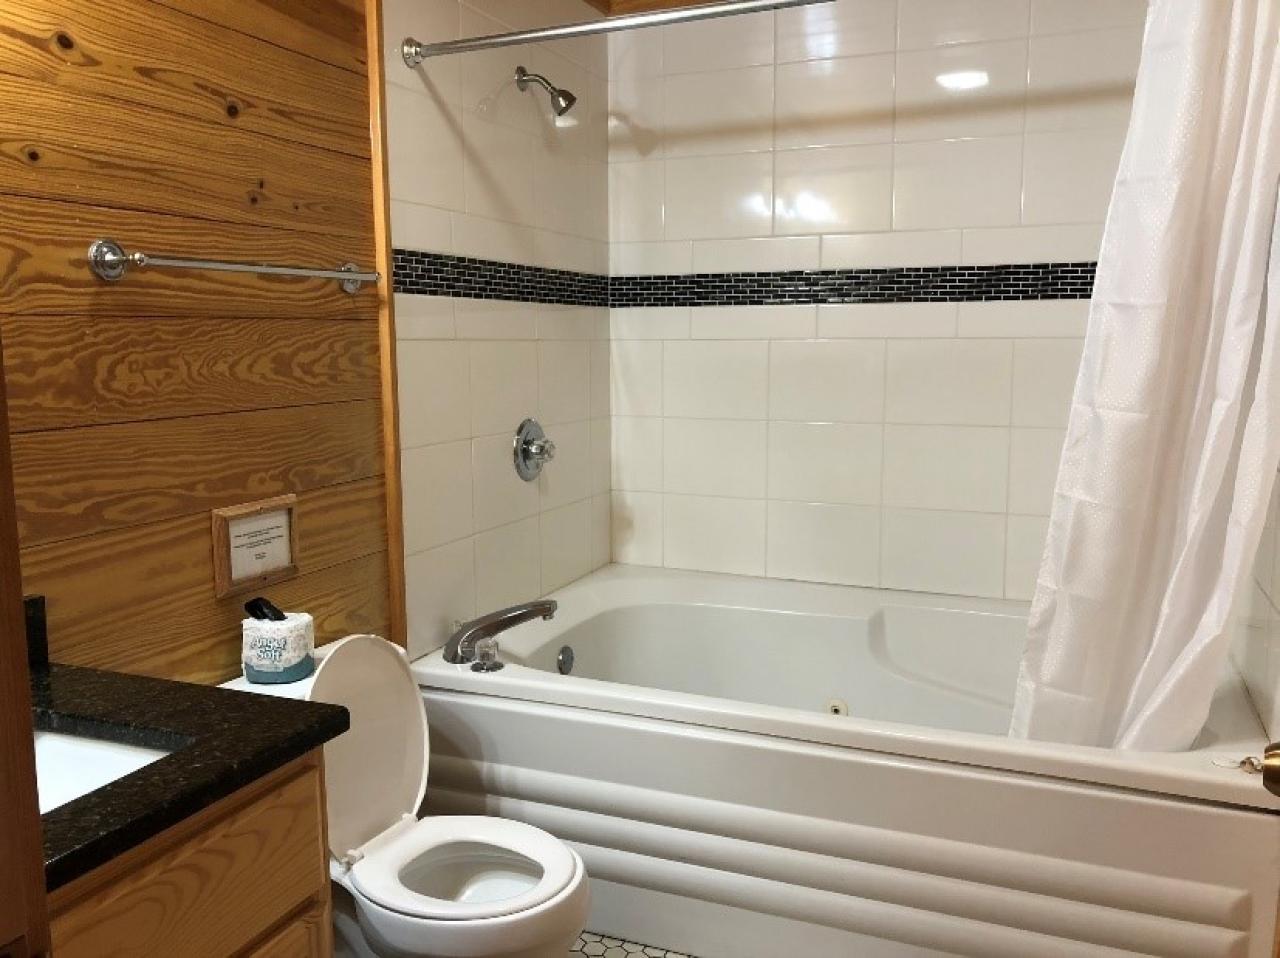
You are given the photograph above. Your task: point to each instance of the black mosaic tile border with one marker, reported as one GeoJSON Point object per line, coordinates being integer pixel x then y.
{"type": "Point", "coordinates": [439, 274]}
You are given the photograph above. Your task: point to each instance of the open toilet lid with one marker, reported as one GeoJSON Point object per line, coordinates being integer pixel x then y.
{"type": "Point", "coordinates": [376, 772]}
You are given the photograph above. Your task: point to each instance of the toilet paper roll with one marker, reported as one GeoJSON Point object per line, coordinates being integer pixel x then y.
{"type": "Point", "coordinates": [277, 652]}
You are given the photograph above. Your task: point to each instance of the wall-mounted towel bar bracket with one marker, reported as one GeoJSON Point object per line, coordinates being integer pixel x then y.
{"type": "Point", "coordinates": [109, 261]}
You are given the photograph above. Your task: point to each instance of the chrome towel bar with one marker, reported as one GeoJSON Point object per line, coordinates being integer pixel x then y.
{"type": "Point", "coordinates": [109, 261]}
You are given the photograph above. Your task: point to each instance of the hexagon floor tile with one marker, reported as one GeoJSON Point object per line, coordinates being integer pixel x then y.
{"type": "Point", "coordinates": [602, 946]}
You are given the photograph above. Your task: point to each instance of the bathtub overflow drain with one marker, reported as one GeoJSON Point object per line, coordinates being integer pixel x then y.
{"type": "Point", "coordinates": [564, 661]}
{"type": "Point", "coordinates": [838, 707]}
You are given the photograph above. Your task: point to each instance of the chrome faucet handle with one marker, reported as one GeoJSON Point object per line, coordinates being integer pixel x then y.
{"type": "Point", "coordinates": [531, 450]}
{"type": "Point", "coordinates": [486, 655]}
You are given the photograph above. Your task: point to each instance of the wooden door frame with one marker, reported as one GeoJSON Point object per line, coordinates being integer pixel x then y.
{"type": "Point", "coordinates": [24, 926]}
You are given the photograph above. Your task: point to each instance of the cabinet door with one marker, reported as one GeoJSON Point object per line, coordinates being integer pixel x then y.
{"type": "Point", "coordinates": [23, 929]}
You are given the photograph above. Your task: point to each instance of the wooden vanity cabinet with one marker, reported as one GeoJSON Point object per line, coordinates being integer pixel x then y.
{"type": "Point", "coordinates": [247, 876]}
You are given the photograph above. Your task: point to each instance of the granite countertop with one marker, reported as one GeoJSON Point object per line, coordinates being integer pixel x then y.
{"type": "Point", "coordinates": [221, 740]}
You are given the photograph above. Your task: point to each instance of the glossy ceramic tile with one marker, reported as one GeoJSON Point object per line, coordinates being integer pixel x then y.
{"type": "Point", "coordinates": [500, 496]}
{"type": "Point", "coordinates": [434, 381]}
{"type": "Point", "coordinates": [437, 494]}
{"type": "Point", "coordinates": [844, 28]}
{"type": "Point", "coordinates": [1023, 551]}
{"type": "Point", "coordinates": [1069, 16]}
{"type": "Point", "coordinates": [888, 250]}
{"type": "Point", "coordinates": [1033, 469]}
{"type": "Point", "coordinates": [508, 565]}
{"type": "Point", "coordinates": [1049, 318]}
{"type": "Point", "coordinates": [637, 453]}
{"type": "Point", "coordinates": [723, 44]}
{"type": "Point", "coordinates": [824, 543]}
{"type": "Point", "coordinates": [1044, 377]}
{"type": "Point", "coordinates": [1068, 176]}
{"type": "Point", "coordinates": [715, 535]}
{"type": "Point", "coordinates": [718, 197]}
{"type": "Point", "coordinates": [567, 478]}
{"type": "Point", "coordinates": [637, 528]}
{"type": "Point", "coordinates": [1036, 244]}
{"type": "Point", "coordinates": [957, 183]}
{"type": "Point", "coordinates": [949, 382]}
{"type": "Point", "coordinates": [888, 320]}
{"type": "Point", "coordinates": [833, 189]}
{"type": "Point", "coordinates": [705, 457]}
{"type": "Point", "coordinates": [970, 90]}
{"type": "Point", "coordinates": [753, 255]}
{"type": "Point", "coordinates": [959, 553]}
{"type": "Point", "coordinates": [827, 381]}
{"type": "Point", "coordinates": [636, 378]}
{"type": "Point", "coordinates": [825, 462]}
{"type": "Point", "coordinates": [834, 102]}
{"type": "Point", "coordinates": [443, 592]}
{"type": "Point", "coordinates": [566, 545]}
{"type": "Point", "coordinates": [1081, 80]}
{"type": "Point", "coordinates": [729, 111]}
{"type": "Point", "coordinates": [716, 380]}
{"type": "Point", "coordinates": [931, 23]}
{"type": "Point", "coordinates": [424, 317]}
{"type": "Point", "coordinates": [564, 390]}
{"type": "Point", "coordinates": [506, 393]}
{"type": "Point", "coordinates": [960, 468]}
{"type": "Point", "coordinates": [636, 200]}
{"type": "Point", "coordinates": [753, 322]}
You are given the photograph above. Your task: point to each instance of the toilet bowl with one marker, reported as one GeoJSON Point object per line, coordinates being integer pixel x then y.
{"type": "Point", "coordinates": [441, 886]}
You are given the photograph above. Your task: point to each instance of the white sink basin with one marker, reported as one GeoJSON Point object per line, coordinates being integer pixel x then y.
{"type": "Point", "coordinates": [68, 766]}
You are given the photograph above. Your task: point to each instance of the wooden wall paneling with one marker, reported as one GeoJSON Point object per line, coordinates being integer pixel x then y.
{"type": "Point", "coordinates": [386, 324]}
{"type": "Point", "coordinates": [65, 371]}
{"type": "Point", "coordinates": [22, 914]}
{"type": "Point", "coordinates": [143, 158]}
{"type": "Point", "coordinates": [74, 482]}
{"type": "Point", "coordinates": [200, 642]}
{"type": "Point", "coordinates": [44, 266]}
{"type": "Point", "coordinates": [173, 581]}
{"type": "Point", "coordinates": [332, 31]}
{"type": "Point", "coordinates": [183, 65]}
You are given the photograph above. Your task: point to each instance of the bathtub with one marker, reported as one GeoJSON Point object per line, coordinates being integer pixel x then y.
{"type": "Point", "coordinates": [752, 768]}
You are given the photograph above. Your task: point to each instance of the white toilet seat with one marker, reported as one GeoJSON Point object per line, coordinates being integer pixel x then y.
{"type": "Point", "coordinates": [377, 876]}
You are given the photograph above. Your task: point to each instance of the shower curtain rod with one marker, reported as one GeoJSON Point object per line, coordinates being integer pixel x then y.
{"type": "Point", "coordinates": [415, 52]}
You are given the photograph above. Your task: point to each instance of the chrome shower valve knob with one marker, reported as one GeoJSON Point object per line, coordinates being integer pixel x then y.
{"type": "Point", "coordinates": [531, 450]}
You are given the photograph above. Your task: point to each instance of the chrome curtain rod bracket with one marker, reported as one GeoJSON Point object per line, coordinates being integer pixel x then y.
{"type": "Point", "coordinates": [415, 52]}
{"type": "Point", "coordinates": [109, 261]}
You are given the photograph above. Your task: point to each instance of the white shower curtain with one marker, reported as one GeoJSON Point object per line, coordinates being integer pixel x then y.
{"type": "Point", "coordinates": [1174, 434]}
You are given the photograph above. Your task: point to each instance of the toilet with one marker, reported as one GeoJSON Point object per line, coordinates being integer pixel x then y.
{"type": "Point", "coordinates": [442, 886]}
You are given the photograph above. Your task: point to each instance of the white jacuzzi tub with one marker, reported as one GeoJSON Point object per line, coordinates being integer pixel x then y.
{"type": "Point", "coordinates": [697, 759]}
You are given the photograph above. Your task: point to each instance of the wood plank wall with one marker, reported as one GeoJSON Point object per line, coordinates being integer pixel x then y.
{"type": "Point", "coordinates": [222, 129]}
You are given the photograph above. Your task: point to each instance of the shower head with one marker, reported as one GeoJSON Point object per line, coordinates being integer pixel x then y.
{"type": "Point", "coordinates": [562, 101]}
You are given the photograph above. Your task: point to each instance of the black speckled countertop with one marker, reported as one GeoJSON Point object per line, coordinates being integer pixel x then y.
{"type": "Point", "coordinates": [220, 741]}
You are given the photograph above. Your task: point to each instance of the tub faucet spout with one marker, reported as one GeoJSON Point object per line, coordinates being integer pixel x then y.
{"type": "Point", "coordinates": [461, 646]}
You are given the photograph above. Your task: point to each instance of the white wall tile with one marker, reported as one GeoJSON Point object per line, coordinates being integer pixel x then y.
{"type": "Point", "coordinates": [938, 93]}
{"type": "Point", "coordinates": [498, 180]}
{"type": "Point", "coordinates": [729, 111]}
{"type": "Point", "coordinates": [415, 226]}
{"type": "Point", "coordinates": [1082, 79]}
{"type": "Point", "coordinates": [844, 28]}
{"type": "Point", "coordinates": [824, 543]}
{"type": "Point", "coordinates": [713, 457]}
{"type": "Point", "coordinates": [437, 494]}
{"type": "Point", "coordinates": [719, 196]}
{"type": "Point", "coordinates": [827, 381]}
{"type": "Point", "coordinates": [601, 530]}
{"type": "Point", "coordinates": [637, 528]}
{"type": "Point", "coordinates": [424, 149]}
{"type": "Point", "coordinates": [635, 378]}
{"type": "Point", "coordinates": [960, 468]}
{"type": "Point", "coordinates": [571, 322]}
{"type": "Point", "coordinates": [601, 456]}
{"type": "Point", "coordinates": [500, 495]}
{"type": "Point", "coordinates": [1034, 455]}
{"type": "Point", "coordinates": [754, 322]}
{"type": "Point", "coordinates": [1068, 176]}
{"type": "Point", "coordinates": [1044, 378]}
{"type": "Point", "coordinates": [567, 478]}
{"type": "Point", "coordinates": [657, 258]}
{"type": "Point", "coordinates": [718, 44]}
{"type": "Point", "coordinates": [637, 453]}
{"type": "Point", "coordinates": [957, 183]}
{"type": "Point", "coordinates": [494, 319]}
{"type": "Point", "coordinates": [715, 380]}
{"type": "Point", "coordinates": [887, 320]}
{"type": "Point", "coordinates": [835, 188]}
{"type": "Point", "coordinates": [1022, 555]}
{"type": "Point", "coordinates": [649, 322]}
{"type": "Point", "coordinates": [883, 250]}
{"type": "Point", "coordinates": [1068, 16]}
{"type": "Point", "coordinates": [834, 102]}
{"type": "Point", "coordinates": [441, 593]}
{"type": "Point", "coordinates": [434, 382]}
{"type": "Point", "coordinates": [566, 545]}
{"type": "Point", "coordinates": [508, 565]}
{"type": "Point", "coordinates": [564, 384]}
{"type": "Point", "coordinates": [636, 200]}
{"type": "Point", "coordinates": [1032, 244]}
{"type": "Point", "coordinates": [957, 553]}
{"type": "Point", "coordinates": [1053, 318]}
{"type": "Point", "coordinates": [506, 392]}
{"type": "Point", "coordinates": [754, 255]}
{"type": "Point", "coordinates": [930, 23]}
{"type": "Point", "coordinates": [715, 535]}
{"type": "Point", "coordinates": [825, 462]}
{"type": "Point", "coordinates": [949, 382]}
{"type": "Point", "coordinates": [423, 317]}
{"type": "Point", "coordinates": [599, 372]}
